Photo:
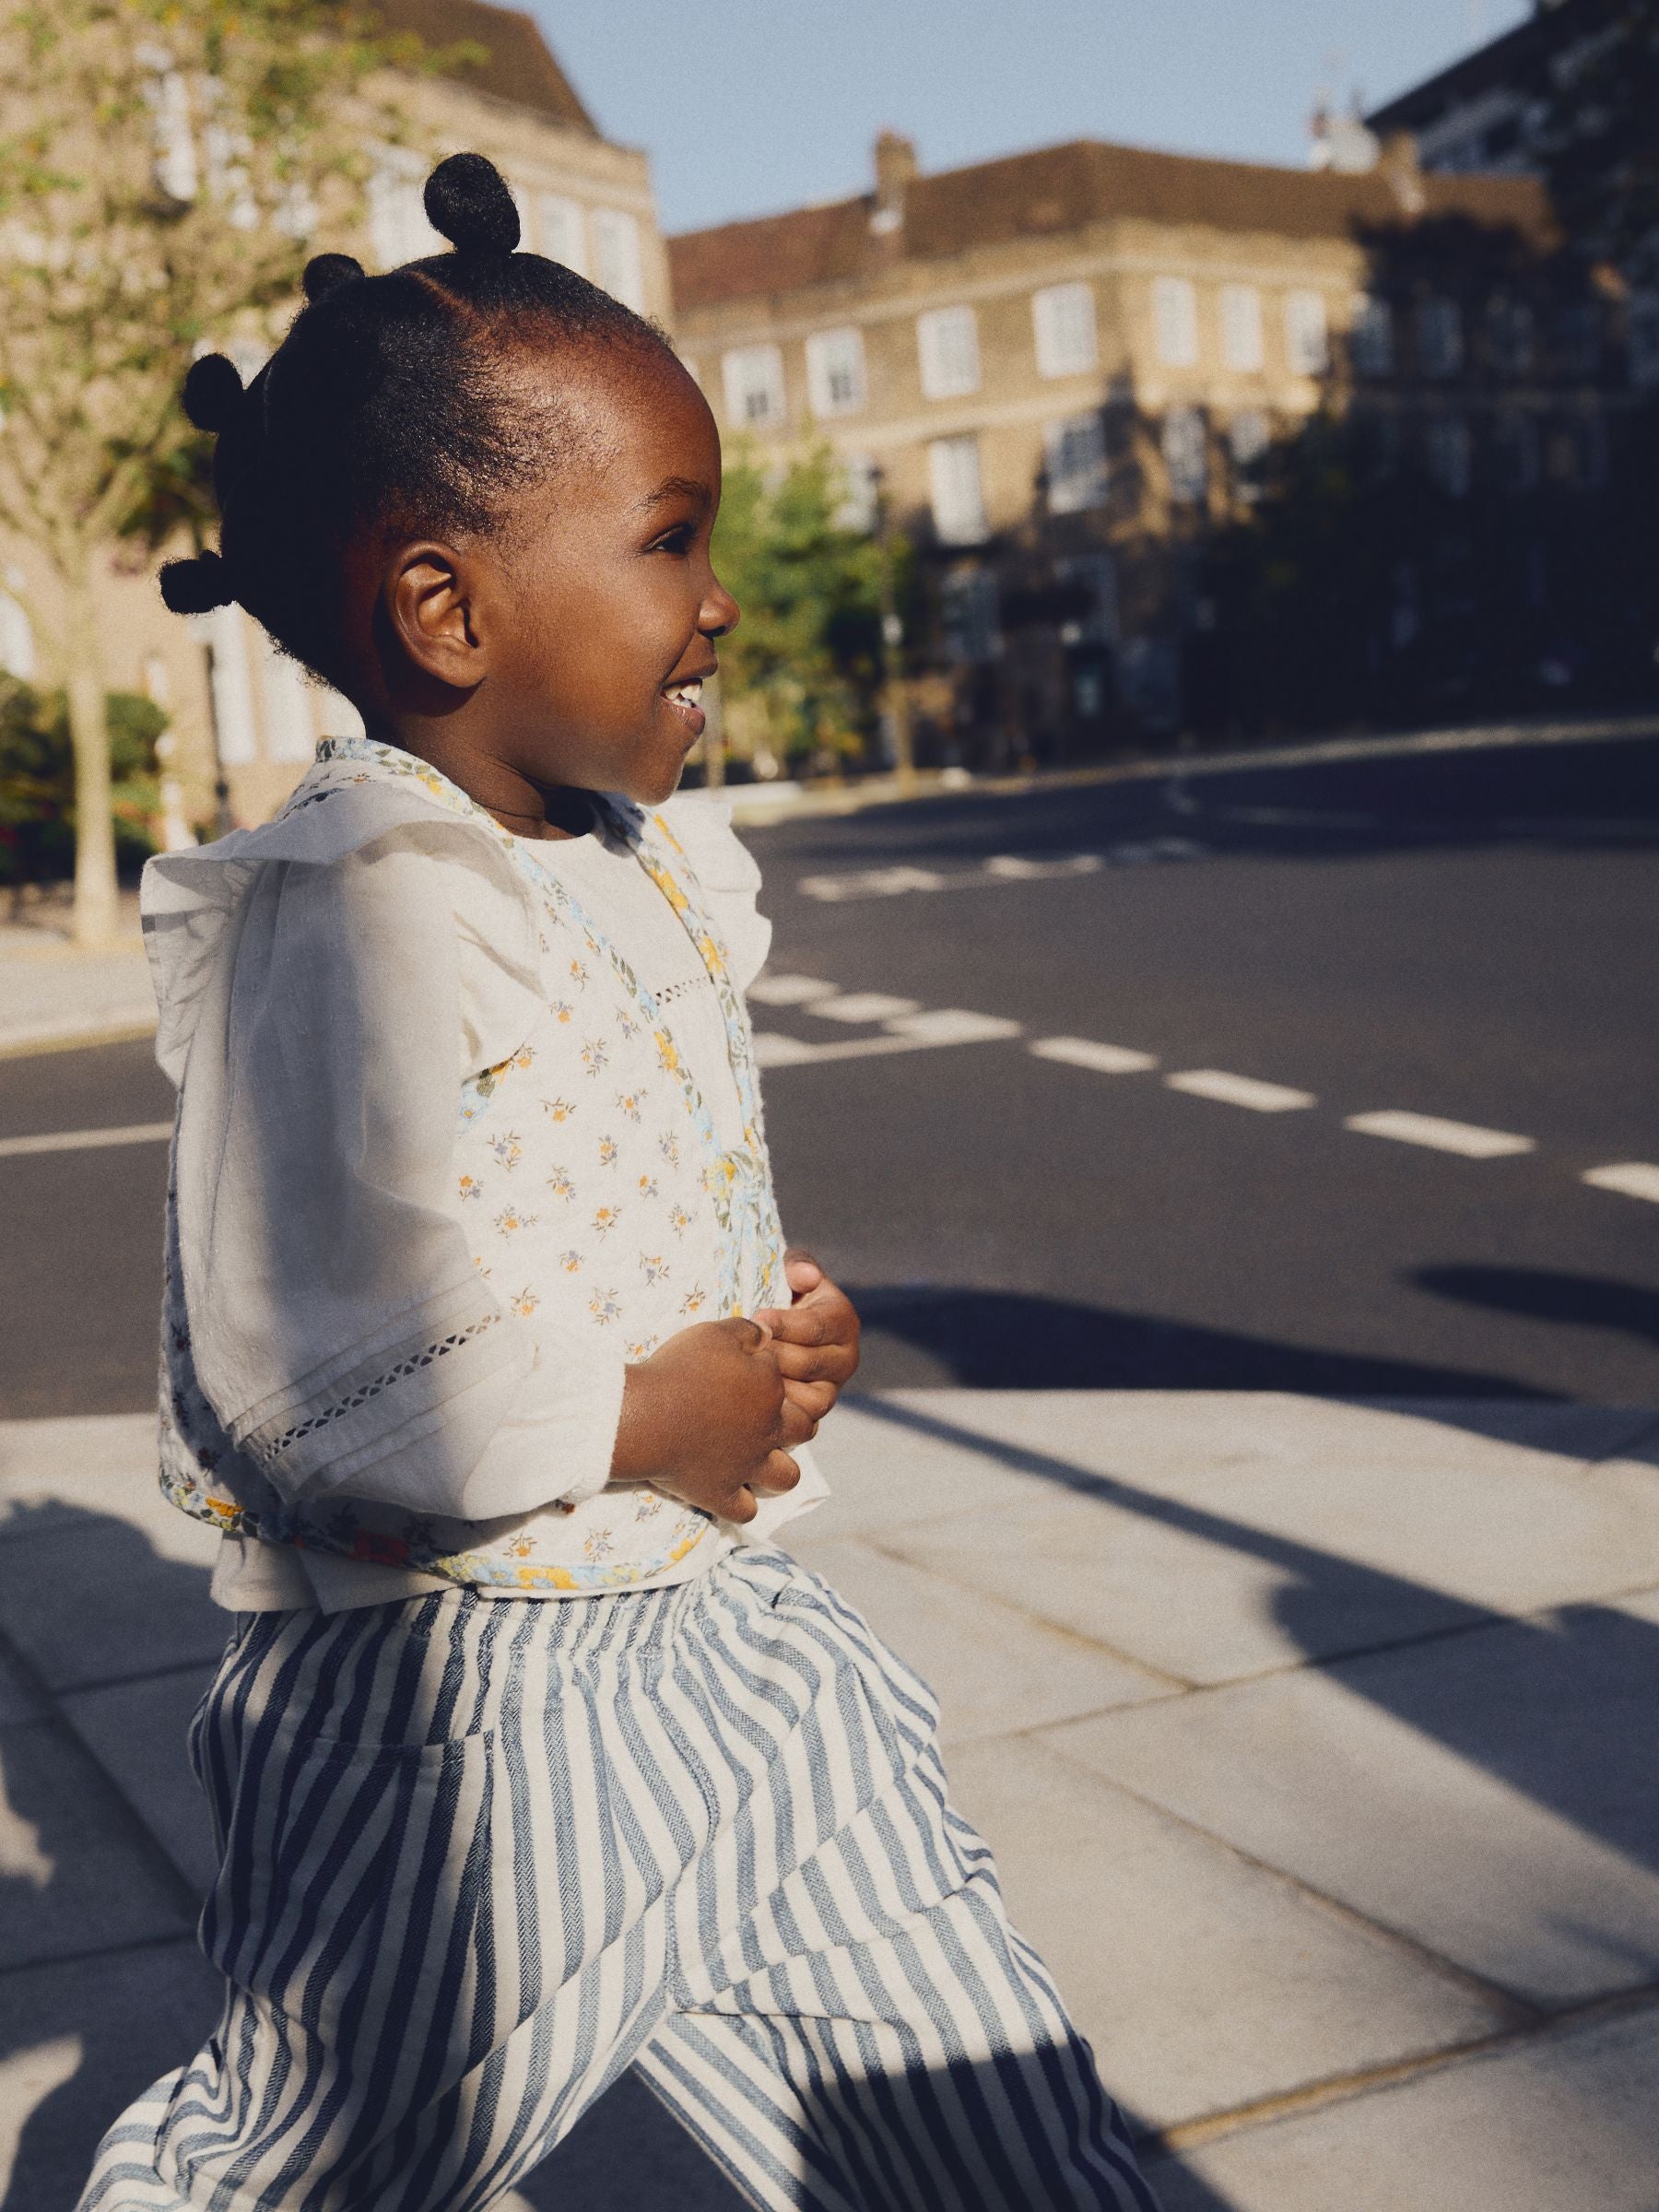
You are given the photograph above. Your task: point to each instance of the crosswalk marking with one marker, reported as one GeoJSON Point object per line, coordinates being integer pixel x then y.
{"type": "Point", "coordinates": [1101, 1059]}
{"type": "Point", "coordinates": [1240, 1090]}
{"type": "Point", "coordinates": [790, 990]}
{"type": "Point", "coordinates": [1630, 1178]}
{"type": "Point", "coordinates": [953, 1025]}
{"type": "Point", "coordinates": [1462, 1137]}
{"type": "Point", "coordinates": [86, 1140]}
{"type": "Point", "coordinates": [864, 1005]}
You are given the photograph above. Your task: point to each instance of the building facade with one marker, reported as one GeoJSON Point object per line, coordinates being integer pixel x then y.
{"type": "Point", "coordinates": [1064, 370]}
{"type": "Point", "coordinates": [245, 720]}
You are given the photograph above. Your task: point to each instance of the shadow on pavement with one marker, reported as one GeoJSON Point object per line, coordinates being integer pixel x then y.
{"type": "Point", "coordinates": [917, 1335]}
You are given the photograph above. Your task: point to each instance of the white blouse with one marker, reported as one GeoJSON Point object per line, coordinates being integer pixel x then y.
{"type": "Point", "coordinates": [328, 992]}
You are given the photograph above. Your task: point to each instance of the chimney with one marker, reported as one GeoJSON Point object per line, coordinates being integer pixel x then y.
{"type": "Point", "coordinates": [1397, 160]}
{"type": "Point", "coordinates": [896, 164]}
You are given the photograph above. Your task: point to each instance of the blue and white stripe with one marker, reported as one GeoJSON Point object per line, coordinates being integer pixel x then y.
{"type": "Point", "coordinates": [479, 1855]}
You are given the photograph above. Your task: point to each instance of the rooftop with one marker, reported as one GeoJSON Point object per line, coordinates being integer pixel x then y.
{"type": "Point", "coordinates": [519, 65]}
{"type": "Point", "coordinates": [1062, 188]}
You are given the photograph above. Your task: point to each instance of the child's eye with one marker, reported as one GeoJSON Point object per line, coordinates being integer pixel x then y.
{"type": "Point", "coordinates": [677, 540]}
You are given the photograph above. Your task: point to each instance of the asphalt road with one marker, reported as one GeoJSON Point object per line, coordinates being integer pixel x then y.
{"type": "Point", "coordinates": [1465, 936]}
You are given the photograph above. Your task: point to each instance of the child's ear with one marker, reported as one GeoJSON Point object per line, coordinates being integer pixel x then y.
{"type": "Point", "coordinates": [429, 601]}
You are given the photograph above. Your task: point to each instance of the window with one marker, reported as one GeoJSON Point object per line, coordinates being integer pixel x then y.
{"type": "Point", "coordinates": [17, 641]}
{"type": "Point", "coordinates": [561, 231]}
{"type": "Point", "coordinates": [398, 229]}
{"type": "Point", "coordinates": [618, 267]}
{"type": "Point", "coordinates": [1093, 577]}
{"type": "Point", "coordinates": [1175, 321]}
{"type": "Point", "coordinates": [754, 387]}
{"type": "Point", "coordinates": [1440, 338]}
{"type": "Point", "coordinates": [1517, 453]}
{"type": "Point", "coordinates": [970, 616]}
{"type": "Point", "coordinates": [1184, 453]}
{"type": "Point", "coordinates": [1307, 346]}
{"type": "Point", "coordinates": [1074, 457]}
{"type": "Point", "coordinates": [1372, 335]}
{"type": "Point", "coordinates": [1247, 439]}
{"type": "Point", "coordinates": [1644, 339]}
{"type": "Point", "coordinates": [1578, 339]}
{"type": "Point", "coordinates": [1064, 320]}
{"type": "Point", "coordinates": [958, 500]}
{"type": "Point", "coordinates": [1510, 336]}
{"type": "Point", "coordinates": [860, 506]}
{"type": "Point", "coordinates": [948, 346]}
{"type": "Point", "coordinates": [1590, 452]}
{"type": "Point", "coordinates": [1449, 455]}
{"type": "Point", "coordinates": [1241, 326]}
{"type": "Point", "coordinates": [286, 697]}
{"type": "Point", "coordinates": [835, 372]}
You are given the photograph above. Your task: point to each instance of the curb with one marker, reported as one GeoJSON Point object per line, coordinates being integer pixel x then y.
{"type": "Point", "coordinates": [28, 1045]}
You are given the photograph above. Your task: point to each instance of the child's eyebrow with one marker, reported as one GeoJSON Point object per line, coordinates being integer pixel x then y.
{"type": "Point", "coordinates": [674, 488]}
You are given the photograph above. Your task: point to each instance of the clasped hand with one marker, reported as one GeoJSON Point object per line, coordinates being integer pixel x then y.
{"type": "Point", "coordinates": [714, 1413]}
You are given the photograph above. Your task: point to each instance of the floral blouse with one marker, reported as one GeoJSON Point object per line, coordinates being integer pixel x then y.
{"type": "Point", "coordinates": [443, 1167]}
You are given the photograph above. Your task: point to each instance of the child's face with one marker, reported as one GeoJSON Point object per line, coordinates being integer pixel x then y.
{"type": "Point", "coordinates": [613, 603]}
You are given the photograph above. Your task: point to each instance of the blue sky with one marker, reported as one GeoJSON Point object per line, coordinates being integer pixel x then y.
{"type": "Point", "coordinates": [756, 105]}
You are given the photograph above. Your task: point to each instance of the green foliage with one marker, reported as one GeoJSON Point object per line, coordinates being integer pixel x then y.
{"type": "Point", "coordinates": [37, 781]}
{"type": "Point", "coordinates": [801, 671]}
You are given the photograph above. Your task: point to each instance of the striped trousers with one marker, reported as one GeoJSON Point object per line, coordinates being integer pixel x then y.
{"type": "Point", "coordinates": [478, 1856]}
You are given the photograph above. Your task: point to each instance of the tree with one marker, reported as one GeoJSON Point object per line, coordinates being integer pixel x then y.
{"type": "Point", "coordinates": [802, 668]}
{"type": "Point", "coordinates": [165, 168]}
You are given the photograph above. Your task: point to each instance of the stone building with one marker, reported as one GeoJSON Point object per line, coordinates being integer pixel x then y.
{"type": "Point", "coordinates": [1065, 369]}
{"type": "Point", "coordinates": [240, 711]}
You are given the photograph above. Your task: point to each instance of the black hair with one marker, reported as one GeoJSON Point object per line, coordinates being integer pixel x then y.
{"type": "Point", "coordinates": [390, 403]}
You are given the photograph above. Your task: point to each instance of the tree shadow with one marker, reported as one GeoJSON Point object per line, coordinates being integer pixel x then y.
{"type": "Point", "coordinates": [1549, 1294]}
{"type": "Point", "coordinates": [916, 1335]}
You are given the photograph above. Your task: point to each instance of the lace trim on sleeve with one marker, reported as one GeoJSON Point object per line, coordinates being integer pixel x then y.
{"type": "Point", "coordinates": [272, 1447]}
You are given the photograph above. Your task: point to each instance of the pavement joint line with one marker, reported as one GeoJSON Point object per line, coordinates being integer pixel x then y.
{"type": "Point", "coordinates": [1340, 2089]}
{"type": "Point", "coordinates": [1465, 1138]}
{"type": "Point", "coordinates": [86, 1140]}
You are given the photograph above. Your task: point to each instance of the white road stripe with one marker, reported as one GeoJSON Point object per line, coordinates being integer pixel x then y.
{"type": "Point", "coordinates": [1101, 1059]}
{"type": "Point", "coordinates": [1240, 1090]}
{"type": "Point", "coordinates": [1462, 1137]}
{"type": "Point", "coordinates": [1630, 1179]}
{"type": "Point", "coordinates": [953, 1025]}
{"type": "Point", "coordinates": [86, 1140]}
{"type": "Point", "coordinates": [866, 1006]}
{"type": "Point", "coordinates": [790, 990]}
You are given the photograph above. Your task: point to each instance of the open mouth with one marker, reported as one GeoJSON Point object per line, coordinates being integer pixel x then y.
{"type": "Point", "coordinates": [685, 698]}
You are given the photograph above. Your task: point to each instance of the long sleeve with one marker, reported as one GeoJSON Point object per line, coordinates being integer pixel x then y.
{"type": "Point", "coordinates": [339, 1325]}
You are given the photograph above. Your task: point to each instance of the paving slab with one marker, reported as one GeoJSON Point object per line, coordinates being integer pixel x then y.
{"type": "Point", "coordinates": [136, 1732]}
{"type": "Point", "coordinates": [627, 2153]}
{"type": "Point", "coordinates": [1481, 1793]}
{"type": "Point", "coordinates": [57, 1471]}
{"type": "Point", "coordinates": [1279, 1561]}
{"type": "Point", "coordinates": [17, 1699]}
{"type": "Point", "coordinates": [78, 1872]}
{"type": "Point", "coordinates": [78, 2041]}
{"type": "Point", "coordinates": [1202, 1981]}
{"type": "Point", "coordinates": [991, 1668]}
{"type": "Point", "coordinates": [135, 1611]}
{"type": "Point", "coordinates": [1560, 2123]}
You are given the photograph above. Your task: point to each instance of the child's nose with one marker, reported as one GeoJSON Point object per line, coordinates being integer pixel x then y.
{"type": "Point", "coordinates": [719, 613]}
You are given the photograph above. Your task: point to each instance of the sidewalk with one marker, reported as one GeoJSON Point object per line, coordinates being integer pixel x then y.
{"type": "Point", "coordinates": [54, 995]}
{"type": "Point", "coordinates": [1315, 1741]}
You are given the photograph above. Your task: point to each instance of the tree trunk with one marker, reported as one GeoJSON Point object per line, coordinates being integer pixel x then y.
{"type": "Point", "coordinates": [97, 915]}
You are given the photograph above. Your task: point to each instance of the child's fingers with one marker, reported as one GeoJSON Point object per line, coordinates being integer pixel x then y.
{"type": "Point", "coordinates": [815, 1399]}
{"type": "Point", "coordinates": [801, 1270]}
{"type": "Point", "coordinates": [814, 1363]}
{"type": "Point", "coordinates": [780, 1473]}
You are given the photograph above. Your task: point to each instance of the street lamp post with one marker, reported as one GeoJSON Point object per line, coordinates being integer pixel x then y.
{"type": "Point", "coordinates": [896, 699]}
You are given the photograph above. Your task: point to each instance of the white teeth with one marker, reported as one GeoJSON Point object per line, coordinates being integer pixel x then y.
{"type": "Point", "coordinates": [685, 694]}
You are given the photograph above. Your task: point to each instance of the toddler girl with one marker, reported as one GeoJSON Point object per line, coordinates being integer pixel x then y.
{"type": "Point", "coordinates": [530, 1759]}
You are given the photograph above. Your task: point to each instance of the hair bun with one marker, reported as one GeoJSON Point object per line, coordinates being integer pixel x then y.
{"type": "Point", "coordinates": [468, 203]}
{"type": "Point", "coordinates": [213, 392]}
{"type": "Point", "coordinates": [325, 273]}
{"type": "Point", "coordinates": [196, 587]}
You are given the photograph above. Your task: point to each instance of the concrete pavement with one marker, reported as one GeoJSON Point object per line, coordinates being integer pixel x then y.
{"type": "Point", "coordinates": [1314, 1737]}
